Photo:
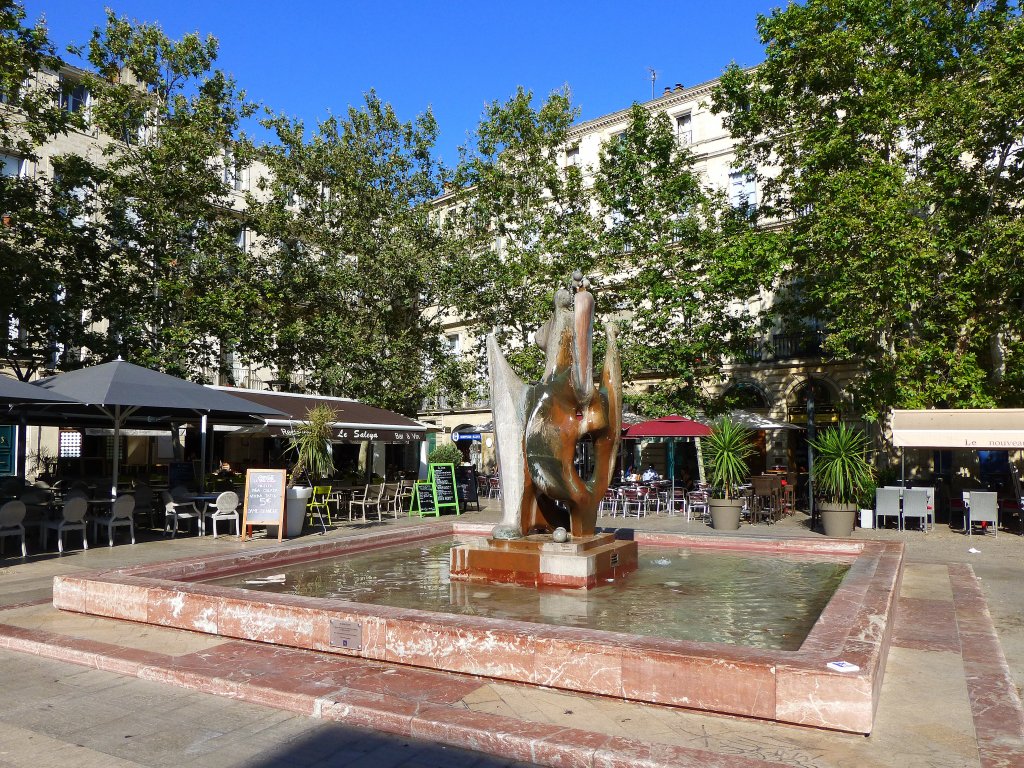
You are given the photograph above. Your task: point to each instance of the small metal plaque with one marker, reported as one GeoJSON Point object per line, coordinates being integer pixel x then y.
{"type": "Point", "coordinates": [346, 634]}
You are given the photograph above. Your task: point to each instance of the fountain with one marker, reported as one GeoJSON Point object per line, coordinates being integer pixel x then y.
{"type": "Point", "coordinates": [548, 530]}
{"type": "Point", "coordinates": [546, 538]}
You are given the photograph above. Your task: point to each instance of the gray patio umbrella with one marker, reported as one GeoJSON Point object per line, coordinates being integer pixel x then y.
{"type": "Point", "coordinates": [129, 394]}
{"type": "Point", "coordinates": [14, 391]}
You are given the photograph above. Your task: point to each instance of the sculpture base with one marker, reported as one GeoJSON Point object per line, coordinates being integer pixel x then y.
{"type": "Point", "coordinates": [537, 561]}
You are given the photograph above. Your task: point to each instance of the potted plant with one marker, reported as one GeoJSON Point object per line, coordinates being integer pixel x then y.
{"type": "Point", "coordinates": [841, 475]}
{"type": "Point", "coordinates": [726, 451]}
{"type": "Point", "coordinates": [310, 442]}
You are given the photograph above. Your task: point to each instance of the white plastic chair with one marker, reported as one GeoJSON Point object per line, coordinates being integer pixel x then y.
{"type": "Point", "coordinates": [224, 508]}
{"type": "Point", "coordinates": [887, 504]}
{"type": "Point", "coordinates": [122, 515]}
{"type": "Point", "coordinates": [176, 511]}
{"type": "Point", "coordinates": [984, 509]}
{"type": "Point", "coordinates": [72, 519]}
{"type": "Point", "coordinates": [916, 505]}
{"type": "Point", "coordinates": [12, 518]}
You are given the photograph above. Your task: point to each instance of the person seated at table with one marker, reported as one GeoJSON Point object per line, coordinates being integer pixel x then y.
{"type": "Point", "coordinates": [686, 481]}
{"type": "Point", "coordinates": [649, 474]}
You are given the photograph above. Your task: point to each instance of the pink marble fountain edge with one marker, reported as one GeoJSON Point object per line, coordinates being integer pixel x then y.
{"type": "Point", "coordinates": [788, 686]}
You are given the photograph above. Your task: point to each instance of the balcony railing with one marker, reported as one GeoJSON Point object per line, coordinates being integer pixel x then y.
{"type": "Point", "coordinates": [786, 346]}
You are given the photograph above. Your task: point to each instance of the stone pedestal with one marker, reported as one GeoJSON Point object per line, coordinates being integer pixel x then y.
{"type": "Point", "coordinates": [537, 561]}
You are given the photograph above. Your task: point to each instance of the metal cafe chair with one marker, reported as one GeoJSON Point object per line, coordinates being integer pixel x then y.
{"type": "Point", "coordinates": [319, 505]}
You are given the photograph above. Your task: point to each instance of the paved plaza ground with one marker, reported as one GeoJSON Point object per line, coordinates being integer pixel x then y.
{"type": "Point", "coordinates": [85, 691]}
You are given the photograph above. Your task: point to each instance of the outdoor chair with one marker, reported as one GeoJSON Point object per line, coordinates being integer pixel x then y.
{"type": "Point", "coordinates": [176, 511]}
{"type": "Point", "coordinates": [366, 500]}
{"type": "Point", "coordinates": [887, 504]}
{"type": "Point", "coordinates": [984, 508]}
{"type": "Point", "coordinates": [494, 488]}
{"type": "Point", "coordinates": [917, 506]}
{"type": "Point", "coordinates": [72, 519]}
{"type": "Point", "coordinates": [12, 518]}
{"type": "Point", "coordinates": [764, 504]}
{"type": "Point", "coordinates": [697, 503]}
{"type": "Point", "coordinates": [319, 505]}
{"type": "Point", "coordinates": [635, 499]}
{"type": "Point", "coordinates": [609, 503]}
{"type": "Point", "coordinates": [144, 503]}
{"type": "Point", "coordinates": [121, 515]}
{"type": "Point", "coordinates": [224, 508]}
{"type": "Point", "coordinates": [391, 499]}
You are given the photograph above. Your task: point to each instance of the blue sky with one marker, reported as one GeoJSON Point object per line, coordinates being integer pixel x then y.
{"type": "Point", "coordinates": [308, 58]}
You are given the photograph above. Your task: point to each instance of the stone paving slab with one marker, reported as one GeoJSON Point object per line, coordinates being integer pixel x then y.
{"type": "Point", "coordinates": [978, 721]}
{"type": "Point", "coordinates": [950, 696]}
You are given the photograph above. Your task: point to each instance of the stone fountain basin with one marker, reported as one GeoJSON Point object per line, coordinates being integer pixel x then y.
{"type": "Point", "coordinates": [785, 686]}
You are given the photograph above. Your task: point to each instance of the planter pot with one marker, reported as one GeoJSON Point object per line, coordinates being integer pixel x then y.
{"type": "Point", "coordinates": [838, 519]}
{"type": "Point", "coordinates": [295, 510]}
{"type": "Point", "coordinates": [725, 514]}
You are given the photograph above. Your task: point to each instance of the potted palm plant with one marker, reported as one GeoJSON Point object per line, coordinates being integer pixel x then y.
{"type": "Point", "coordinates": [842, 473]}
{"type": "Point", "coordinates": [310, 442]}
{"type": "Point", "coordinates": [726, 451]}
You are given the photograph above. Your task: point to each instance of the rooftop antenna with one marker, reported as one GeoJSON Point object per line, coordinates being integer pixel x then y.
{"type": "Point", "coordinates": [654, 76]}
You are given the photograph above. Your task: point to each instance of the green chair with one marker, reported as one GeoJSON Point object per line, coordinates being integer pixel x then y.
{"type": "Point", "coordinates": [318, 505]}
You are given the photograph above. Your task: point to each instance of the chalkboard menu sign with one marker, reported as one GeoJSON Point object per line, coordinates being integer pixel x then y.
{"type": "Point", "coordinates": [443, 477]}
{"type": "Point", "coordinates": [264, 499]}
{"type": "Point", "coordinates": [423, 499]}
{"type": "Point", "coordinates": [466, 483]}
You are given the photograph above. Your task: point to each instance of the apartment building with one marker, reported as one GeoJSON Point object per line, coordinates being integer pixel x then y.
{"type": "Point", "coordinates": [788, 371]}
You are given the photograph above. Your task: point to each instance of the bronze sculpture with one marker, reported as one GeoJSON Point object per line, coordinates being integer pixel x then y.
{"type": "Point", "coordinates": [538, 426]}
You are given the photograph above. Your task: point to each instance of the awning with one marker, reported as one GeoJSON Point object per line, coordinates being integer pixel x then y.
{"type": "Point", "coordinates": [971, 429]}
{"type": "Point", "coordinates": [758, 422]}
{"type": "Point", "coordinates": [666, 426]}
{"type": "Point", "coordinates": [357, 422]}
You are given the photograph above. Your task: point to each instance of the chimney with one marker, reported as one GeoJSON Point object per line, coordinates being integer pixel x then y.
{"type": "Point", "coordinates": [679, 86]}
{"type": "Point", "coordinates": [668, 90]}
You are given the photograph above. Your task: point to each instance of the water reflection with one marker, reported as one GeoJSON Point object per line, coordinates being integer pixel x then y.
{"type": "Point", "coordinates": [758, 599]}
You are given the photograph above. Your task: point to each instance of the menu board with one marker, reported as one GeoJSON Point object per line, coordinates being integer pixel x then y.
{"type": "Point", "coordinates": [466, 483]}
{"type": "Point", "coordinates": [443, 477]}
{"type": "Point", "coordinates": [423, 499]}
{"type": "Point", "coordinates": [264, 499]}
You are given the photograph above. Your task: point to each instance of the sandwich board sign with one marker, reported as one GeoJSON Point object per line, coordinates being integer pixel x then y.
{"type": "Point", "coordinates": [264, 499]}
{"type": "Point", "coordinates": [443, 478]}
{"type": "Point", "coordinates": [424, 499]}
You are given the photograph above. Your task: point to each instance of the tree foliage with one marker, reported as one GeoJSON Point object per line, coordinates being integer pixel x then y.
{"type": "Point", "coordinates": [350, 255]}
{"type": "Point", "coordinates": [889, 137]}
{"type": "Point", "coordinates": [686, 266]}
{"type": "Point", "coordinates": [523, 219]}
{"type": "Point", "coordinates": [174, 291]}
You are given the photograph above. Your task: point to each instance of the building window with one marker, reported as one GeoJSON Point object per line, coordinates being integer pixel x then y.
{"type": "Point", "coordinates": [572, 155]}
{"type": "Point", "coordinates": [684, 129]}
{"type": "Point", "coordinates": [74, 97]}
{"type": "Point", "coordinates": [452, 343]}
{"type": "Point", "coordinates": [742, 190]}
{"type": "Point", "coordinates": [235, 175]}
{"type": "Point", "coordinates": [12, 166]}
